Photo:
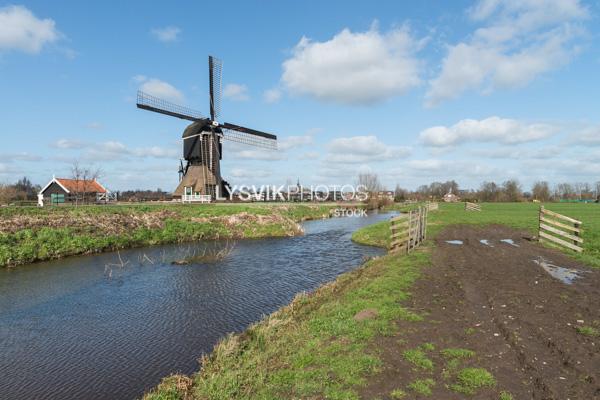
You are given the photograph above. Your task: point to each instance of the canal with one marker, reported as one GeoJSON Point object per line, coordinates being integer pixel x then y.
{"type": "Point", "coordinates": [110, 326]}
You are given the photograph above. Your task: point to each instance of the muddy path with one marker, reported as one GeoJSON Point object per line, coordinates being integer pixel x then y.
{"type": "Point", "coordinates": [496, 299]}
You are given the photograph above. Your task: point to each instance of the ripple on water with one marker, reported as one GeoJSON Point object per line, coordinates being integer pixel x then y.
{"type": "Point", "coordinates": [67, 331]}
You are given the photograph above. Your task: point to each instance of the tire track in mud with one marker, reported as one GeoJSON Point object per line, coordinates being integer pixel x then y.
{"type": "Point", "coordinates": [518, 319]}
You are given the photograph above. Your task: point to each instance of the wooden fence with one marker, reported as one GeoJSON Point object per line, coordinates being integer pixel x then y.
{"type": "Point", "coordinates": [432, 206]}
{"type": "Point", "coordinates": [472, 206]}
{"type": "Point", "coordinates": [409, 230]}
{"type": "Point", "coordinates": [560, 230]}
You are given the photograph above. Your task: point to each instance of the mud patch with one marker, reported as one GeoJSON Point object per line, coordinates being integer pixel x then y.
{"type": "Point", "coordinates": [518, 320]}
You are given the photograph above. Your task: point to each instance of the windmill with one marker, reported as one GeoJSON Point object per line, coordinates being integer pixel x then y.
{"type": "Point", "coordinates": [200, 175]}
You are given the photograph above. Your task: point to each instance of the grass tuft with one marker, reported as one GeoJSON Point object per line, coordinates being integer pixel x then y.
{"type": "Point", "coordinates": [418, 358]}
{"type": "Point", "coordinates": [457, 353]}
{"type": "Point", "coordinates": [469, 380]}
{"type": "Point", "coordinates": [588, 331]}
{"type": "Point", "coordinates": [422, 386]}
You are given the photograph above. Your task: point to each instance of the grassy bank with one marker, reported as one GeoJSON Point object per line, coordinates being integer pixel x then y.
{"type": "Point", "coordinates": [32, 234]}
{"type": "Point", "coordinates": [517, 215]}
{"type": "Point", "coordinates": [316, 347]}
{"type": "Point", "coordinates": [323, 345]}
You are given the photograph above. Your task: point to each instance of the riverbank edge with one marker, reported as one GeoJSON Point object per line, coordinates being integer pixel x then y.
{"type": "Point", "coordinates": [320, 334]}
{"type": "Point", "coordinates": [64, 243]}
{"type": "Point", "coordinates": [321, 344]}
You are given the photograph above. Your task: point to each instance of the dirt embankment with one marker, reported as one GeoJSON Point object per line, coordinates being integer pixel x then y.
{"type": "Point", "coordinates": [107, 223]}
{"type": "Point", "coordinates": [120, 223]}
{"type": "Point", "coordinates": [534, 333]}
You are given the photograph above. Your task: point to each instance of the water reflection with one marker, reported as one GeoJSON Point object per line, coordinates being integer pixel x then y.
{"type": "Point", "coordinates": [109, 326]}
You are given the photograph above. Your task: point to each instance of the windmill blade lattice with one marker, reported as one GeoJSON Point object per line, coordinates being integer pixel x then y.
{"type": "Point", "coordinates": [152, 103]}
{"type": "Point", "coordinates": [215, 67]}
{"type": "Point", "coordinates": [253, 140]}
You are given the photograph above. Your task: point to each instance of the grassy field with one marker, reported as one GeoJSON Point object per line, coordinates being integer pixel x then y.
{"type": "Point", "coordinates": [517, 215]}
{"type": "Point", "coordinates": [30, 234]}
{"type": "Point", "coordinates": [321, 345]}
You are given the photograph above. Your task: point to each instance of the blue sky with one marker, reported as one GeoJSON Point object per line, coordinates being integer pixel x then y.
{"type": "Point", "coordinates": [464, 90]}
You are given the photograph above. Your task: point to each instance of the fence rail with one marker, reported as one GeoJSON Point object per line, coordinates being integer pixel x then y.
{"type": "Point", "coordinates": [553, 227]}
{"type": "Point", "coordinates": [409, 230]}
{"type": "Point", "coordinates": [432, 206]}
{"type": "Point", "coordinates": [472, 206]}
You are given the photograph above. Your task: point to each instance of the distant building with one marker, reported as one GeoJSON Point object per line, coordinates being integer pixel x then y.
{"type": "Point", "coordinates": [451, 197]}
{"type": "Point", "coordinates": [62, 190]}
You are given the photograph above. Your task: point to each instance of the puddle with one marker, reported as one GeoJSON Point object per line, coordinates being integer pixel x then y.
{"type": "Point", "coordinates": [565, 275]}
{"type": "Point", "coordinates": [510, 241]}
{"type": "Point", "coordinates": [455, 242]}
{"type": "Point", "coordinates": [486, 242]}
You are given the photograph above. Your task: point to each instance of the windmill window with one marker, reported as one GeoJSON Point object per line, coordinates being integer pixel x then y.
{"type": "Point", "coordinates": [188, 190]}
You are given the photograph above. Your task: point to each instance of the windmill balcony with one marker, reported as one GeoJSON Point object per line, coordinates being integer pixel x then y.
{"type": "Point", "coordinates": [196, 198]}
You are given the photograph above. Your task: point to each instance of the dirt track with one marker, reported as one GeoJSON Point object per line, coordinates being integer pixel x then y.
{"type": "Point", "coordinates": [521, 322]}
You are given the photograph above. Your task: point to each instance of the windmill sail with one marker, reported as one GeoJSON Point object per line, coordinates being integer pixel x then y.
{"type": "Point", "coordinates": [152, 103]}
{"type": "Point", "coordinates": [215, 67]}
{"type": "Point", "coordinates": [240, 134]}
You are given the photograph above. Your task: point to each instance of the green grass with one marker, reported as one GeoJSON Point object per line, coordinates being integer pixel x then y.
{"type": "Point", "coordinates": [469, 380]}
{"type": "Point", "coordinates": [65, 231]}
{"type": "Point", "coordinates": [451, 353]}
{"type": "Point", "coordinates": [516, 215]}
{"type": "Point", "coordinates": [588, 331]}
{"type": "Point", "coordinates": [397, 394]}
{"type": "Point", "coordinates": [422, 386]}
{"type": "Point", "coordinates": [313, 347]}
{"type": "Point", "coordinates": [504, 395]}
{"type": "Point", "coordinates": [418, 358]}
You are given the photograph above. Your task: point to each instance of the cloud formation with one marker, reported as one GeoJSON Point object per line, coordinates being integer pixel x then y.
{"type": "Point", "coordinates": [362, 149]}
{"type": "Point", "coordinates": [166, 34]}
{"type": "Point", "coordinates": [161, 89]}
{"type": "Point", "coordinates": [236, 92]}
{"type": "Point", "coordinates": [272, 95]}
{"type": "Point", "coordinates": [492, 129]}
{"type": "Point", "coordinates": [354, 67]}
{"type": "Point", "coordinates": [519, 40]}
{"type": "Point", "coordinates": [23, 31]}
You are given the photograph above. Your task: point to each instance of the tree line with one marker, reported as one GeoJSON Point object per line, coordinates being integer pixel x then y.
{"type": "Point", "coordinates": [508, 191]}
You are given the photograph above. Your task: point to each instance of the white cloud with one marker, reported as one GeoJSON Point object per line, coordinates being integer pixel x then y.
{"type": "Point", "coordinates": [309, 155]}
{"type": "Point", "coordinates": [362, 149]}
{"type": "Point", "coordinates": [236, 92]}
{"type": "Point", "coordinates": [68, 144]}
{"type": "Point", "coordinates": [492, 129]}
{"type": "Point", "coordinates": [166, 34]}
{"type": "Point", "coordinates": [546, 152]}
{"type": "Point", "coordinates": [292, 142]}
{"type": "Point", "coordinates": [95, 126]}
{"type": "Point", "coordinates": [158, 88]}
{"type": "Point", "coordinates": [272, 95]}
{"type": "Point", "coordinates": [519, 41]}
{"type": "Point", "coordinates": [21, 30]}
{"type": "Point", "coordinates": [259, 154]}
{"type": "Point", "coordinates": [589, 136]}
{"type": "Point", "coordinates": [20, 157]}
{"type": "Point", "coordinates": [249, 173]}
{"type": "Point", "coordinates": [354, 68]}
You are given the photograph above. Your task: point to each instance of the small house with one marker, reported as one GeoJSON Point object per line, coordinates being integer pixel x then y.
{"type": "Point", "coordinates": [451, 197]}
{"type": "Point", "coordinates": [62, 190]}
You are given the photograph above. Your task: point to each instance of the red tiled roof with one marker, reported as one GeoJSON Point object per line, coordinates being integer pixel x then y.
{"type": "Point", "coordinates": [79, 186]}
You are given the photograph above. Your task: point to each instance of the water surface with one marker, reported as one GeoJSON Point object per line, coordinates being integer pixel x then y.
{"type": "Point", "coordinates": [81, 328]}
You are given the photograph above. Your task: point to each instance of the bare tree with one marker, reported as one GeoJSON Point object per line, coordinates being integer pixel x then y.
{"type": "Point", "coordinates": [400, 194]}
{"type": "Point", "coordinates": [489, 191]}
{"type": "Point", "coordinates": [82, 176]}
{"type": "Point", "coordinates": [512, 190]}
{"type": "Point", "coordinates": [370, 181]}
{"type": "Point", "coordinates": [541, 191]}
